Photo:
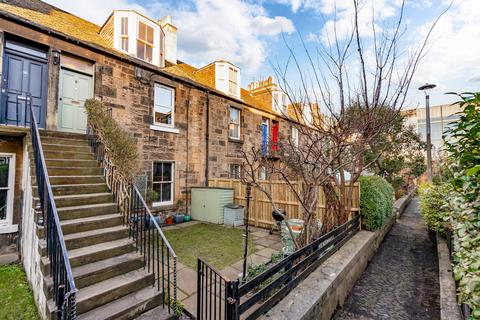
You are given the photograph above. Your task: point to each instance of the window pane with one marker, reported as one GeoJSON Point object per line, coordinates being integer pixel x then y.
{"type": "Point", "coordinates": [157, 171]}
{"type": "Point", "coordinates": [150, 35]}
{"type": "Point", "coordinates": [166, 194]}
{"type": "Point", "coordinates": [4, 165]}
{"type": "Point", "coordinates": [234, 115]}
{"type": "Point", "coordinates": [163, 104]}
{"type": "Point", "coordinates": [124, 44]}
{"type": "Point", "coordinates": [148, 53]}
{"type": "Point", "coordinates": [3, 204]}
{"type": "Point", "coordinates": [140, 50]}
{"type": "Point", "coordinates": [167, 172]}
{"type": "Point", "coordinates": [142, 31]}
{"type": "Point", "coordinates": [124, 27]}
{"type": "Point", "coordinates": [157, 192]}
{"type": "Point", "coordinates": [234, 131]}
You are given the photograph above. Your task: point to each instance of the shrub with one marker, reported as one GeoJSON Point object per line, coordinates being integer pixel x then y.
{"type": "Point", "coordinates": [376, 201]}
{"type": "Point", "coordinates": [120, 146]}
{"type": "Point", "coordinates": [433, 205]}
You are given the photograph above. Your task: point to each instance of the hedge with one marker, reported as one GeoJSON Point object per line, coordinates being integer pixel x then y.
{"type": "Point", "coordinates": [433, 205]}
{"type": "Point", "coordinates": [376, 201]}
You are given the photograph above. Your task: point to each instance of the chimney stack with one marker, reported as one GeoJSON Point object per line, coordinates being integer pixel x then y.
{"type": "Point", "coordinates": [170, 32]}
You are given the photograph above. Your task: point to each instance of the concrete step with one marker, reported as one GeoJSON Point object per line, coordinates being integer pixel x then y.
{"type": "Point", "coordinates": [81, 147]}
{"type": "Point", "coordinates": [61, 180]}
{"type": "Point", "coordinates": [99, 271]}
{"type": "Point", "coordinates": [74, 171]}
{"type": "Point", "coordinates": [74, 189]}
{"type": "Point", "coordinates": [97, 252]}
{"type": "Point", "coordinates": [92, 237]}
{"type": "Point", "coordinates": [89, 210]}
{"type": "Point", "coordinates": [90, 223]}
{"type": "Point", "coordinates": [101, 293]}
{"type": "Point", "coordinates": [128, 307]}
{"type": "Point", "coordinates": [71, 163]}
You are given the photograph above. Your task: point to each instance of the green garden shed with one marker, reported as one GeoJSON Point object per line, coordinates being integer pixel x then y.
{"type": "Point", "coordinates": [208, 203]}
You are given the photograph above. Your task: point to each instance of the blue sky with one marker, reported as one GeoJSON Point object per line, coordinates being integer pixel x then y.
{"type": "Point", "coordinates": [251, 33]}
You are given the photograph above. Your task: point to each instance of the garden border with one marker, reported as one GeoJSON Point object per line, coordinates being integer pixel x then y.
{"type": "Point", "coordinates": [318, 296]}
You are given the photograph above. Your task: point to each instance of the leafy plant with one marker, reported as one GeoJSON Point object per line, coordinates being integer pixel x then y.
{"type": "Point", "coordinates": [376, 201]}
{"type": "Point", "coordinates": [120, 146]}
{"type": "Point", "coordinates": [177, 307]}
{"type": "Point", "coordinates": [434, 205]}
{"type": "Point", "coordinates": [463, 146]}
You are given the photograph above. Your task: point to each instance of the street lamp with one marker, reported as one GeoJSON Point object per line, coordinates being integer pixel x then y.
{"type": "Point", "coordinates": [425, 89]}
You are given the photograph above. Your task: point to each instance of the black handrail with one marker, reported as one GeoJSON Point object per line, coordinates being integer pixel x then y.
{"type": "Point", "coordinates": [64, 291]}
{"type": "Point", "coordinates": [158, 255]}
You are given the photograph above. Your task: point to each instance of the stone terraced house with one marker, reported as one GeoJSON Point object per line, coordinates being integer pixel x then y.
{"type": "Point", "coordinates": [190, 125]}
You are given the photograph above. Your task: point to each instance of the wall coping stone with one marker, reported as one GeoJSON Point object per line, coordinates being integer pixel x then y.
{"type": "Point", "coordinates": [401, 204]}
{"type": "Point", "coordinates": [449, 308]}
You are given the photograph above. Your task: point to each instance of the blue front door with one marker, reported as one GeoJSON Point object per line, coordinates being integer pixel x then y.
{"type": "Point", "coordinates": [24, 82]}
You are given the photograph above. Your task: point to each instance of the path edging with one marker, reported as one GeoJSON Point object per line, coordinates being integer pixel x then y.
{"type": "Point", "coordinates": [318, 296]}
{"type": "Point", "coordinates": [449, 309]}
{"type": "Point", "coordinates": [401, 204]}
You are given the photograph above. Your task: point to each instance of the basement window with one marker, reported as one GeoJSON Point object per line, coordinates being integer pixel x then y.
{"type": "Point", "coordinates": [7, 180]}
{"type": "Point", "coordinates": [163, 185]}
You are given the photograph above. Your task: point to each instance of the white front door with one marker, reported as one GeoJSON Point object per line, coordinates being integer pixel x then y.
{"type": "Point", "coordinates": [7, 182]}
{"type": "Point", "coordinates": [75, 88]}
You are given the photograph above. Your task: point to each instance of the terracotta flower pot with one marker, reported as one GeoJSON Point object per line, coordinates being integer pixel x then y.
{"type": "Point", "coordinates": [169, 220]}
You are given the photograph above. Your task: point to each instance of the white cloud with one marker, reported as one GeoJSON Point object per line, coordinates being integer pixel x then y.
{"type": "Point", "coordinates": [207, 29]}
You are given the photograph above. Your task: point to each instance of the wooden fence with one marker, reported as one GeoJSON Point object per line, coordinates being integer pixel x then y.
{"type": "Point", "coordinates": [260, 207]}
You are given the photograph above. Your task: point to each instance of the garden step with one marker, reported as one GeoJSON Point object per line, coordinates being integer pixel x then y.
{"type": "Point", "coordinates": [83, 199]}
{"type": "Point", "coordinates": [74, 171]}
{"type": "Point", "coordinates": [74, 147]}
{"type": "Point", "coordinates": [90, 223]}
{"type": "Point", "coordinates": [60, 180]}
{"type": "Point", "coordinates": [88, 210]}
{"type": "Point", "coordinates": [52, 134]}
{"type": "Point", "coordinates": [68, 155]}
{"type": "Point", "coordinates": [111, 289]}
{"type": "Point", "coordinates": [97, 252]}
{"type": "Point", "coordinates": [129, 306]}
{"type": "Point", "coordinates": [70, 163]}
{"type": "Point", "coordinates": [73, 189]}
{"type": "Point", "coordinates": [92, 237]}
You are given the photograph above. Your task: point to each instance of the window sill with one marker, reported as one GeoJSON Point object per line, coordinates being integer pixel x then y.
{"type": "Point", "coordinates": [157, 127]}
{"type": "Point", "coordinates": [162, 204]}
{"type": "Point", "coordinates": [8, 228]}
{"type": "Point", "coordinates": [235, 140]}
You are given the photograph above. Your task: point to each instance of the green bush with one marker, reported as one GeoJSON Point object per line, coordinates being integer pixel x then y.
{"type": "Point", "coordinates": [120, 146]}
{"type": "Point", "coordinates": [376, 201]}
{"type": "Point", "coordinates": [433, 205]}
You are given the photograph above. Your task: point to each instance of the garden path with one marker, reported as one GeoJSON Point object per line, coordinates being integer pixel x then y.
{"type": "Point", "coordinates": [401, 281]}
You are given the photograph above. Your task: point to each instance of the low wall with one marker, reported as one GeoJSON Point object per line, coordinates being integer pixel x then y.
{"type": "Point", "coordinates": [318, 296]}
{"type": "Point", "coordinates": [401, 204]}
{"type": "Point", "coordinates": [449, 309]}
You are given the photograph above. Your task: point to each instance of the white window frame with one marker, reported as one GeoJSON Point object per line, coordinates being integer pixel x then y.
{"type": "Point", "coordinates": [6, 226]}
{"type": "Point", "coordinates": [230, 171]}
{"type": "Point", "coordinates": [230, 122]}
{"type": "Point", "coordinates": [262, 173]}
{"type": "Point", "coordinates": [148, 24]}
{"type": "Point", "coordinates": [172, 182]}
{"type": "Point", "coordinates": [124, 36]}
{"type": "Point", "coordinates": [159, 124]}
{"type": "Point", "coordinates": [232, 81]}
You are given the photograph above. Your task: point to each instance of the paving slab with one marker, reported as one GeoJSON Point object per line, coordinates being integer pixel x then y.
{"type": "Point", "coordinates": [277, 246]}
{"type": "Point", "coordinates": [190, 304]}
{"type": "Point", "coordinates": [267, 252]}
{"type": "Point", "coordinates": [230, 272]}
{"type": "Point", "coordinates": [264, 242]}
{"type": "Point", "coordinates": [8, 258]}
{"type": "Point", "coordinates": [260, 234]}
{"type": "Point", "coordinates": [187, 280]}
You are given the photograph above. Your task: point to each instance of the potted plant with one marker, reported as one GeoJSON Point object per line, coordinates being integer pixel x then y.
{"type": "Point", "coordinates": [178, 218]}
{"type": "Point", "coordinates": [169, 219]}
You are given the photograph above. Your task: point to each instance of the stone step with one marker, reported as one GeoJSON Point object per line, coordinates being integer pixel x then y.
{"type": "Point", "coordinates": [71, 163]}
{"type": "Point", "coordinates": [67, 155]}
{"type": "Point", "coordinates": [89, 210]}
{"type": "Point", "coordinates": [83, 199]}
{"type": "Point", "coordinates": [97, 252]}
{"type": "Point", "coordinates": [61, 180]}
{"type": "Point", "coordinates": [74, 171]}
{"type": "Point", "coordinates": [80, 147]}
{"type": "Point", "coordinates": [90, 223]}
{"type": "Point", "coordinates": [128, 307]}
{"type": "Point", "coordinates": [95, 272]}
{"type": "Point", "coordinates": [51, 134]}
{"type": "Point", "coordinates": [103, 292]}
{"type": "Point", "coordinates": [73, 189]}
{"type": "Point", "coordinates": [92, 237]}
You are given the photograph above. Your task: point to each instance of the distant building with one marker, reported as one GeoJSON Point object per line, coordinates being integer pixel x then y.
{"type": "Point", "coordinates": [441, 117]}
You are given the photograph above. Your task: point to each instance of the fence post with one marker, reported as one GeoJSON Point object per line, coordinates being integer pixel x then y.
{"type": "Point", "coordinates": [232, 302]}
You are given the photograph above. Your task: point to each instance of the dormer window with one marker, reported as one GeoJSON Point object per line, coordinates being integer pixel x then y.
{"type": "Point", "coordinates": [280, 102]}
{"type": "Point", "coordinates": [227, 78]}
{"type": "Point", "coordinates": [124, 34]}
{"type": "Point", "coordinates": [232, 81]}
{"type": "Point", "coordinates": [145, 42]}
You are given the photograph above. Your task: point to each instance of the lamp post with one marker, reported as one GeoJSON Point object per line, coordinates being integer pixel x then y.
{"type": "Point", "coordinates": [425, 89]}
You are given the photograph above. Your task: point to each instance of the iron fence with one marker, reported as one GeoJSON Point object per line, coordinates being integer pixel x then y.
{"type": "Point", "coordinates": [254, 297]}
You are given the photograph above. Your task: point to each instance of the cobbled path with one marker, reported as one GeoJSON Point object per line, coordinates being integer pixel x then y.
{"type": "Point", "coordinates": [401, 281]}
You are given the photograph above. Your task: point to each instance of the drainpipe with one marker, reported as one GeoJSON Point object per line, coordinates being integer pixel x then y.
{"type": "Point", "coordinates": [187, 151]}
{"type": "Point", "coordinates": [207, 137]}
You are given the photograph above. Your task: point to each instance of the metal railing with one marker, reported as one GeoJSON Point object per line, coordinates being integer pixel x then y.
{"type": "Point", "coordinates": [150, 241]}
{"type": "Point", "coordinates": [259, 294]}
{"type": "Point", "coordinates": [64, 291]}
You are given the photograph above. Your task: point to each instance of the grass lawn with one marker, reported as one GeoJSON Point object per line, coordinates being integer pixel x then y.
{"type": "Point", "coordinates": [219, 245]}
{"type": "Point", "coordinates": [15, 294]}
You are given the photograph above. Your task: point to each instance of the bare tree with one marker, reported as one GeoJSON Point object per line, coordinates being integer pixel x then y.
{"type": "Point", "coordinates": [337, 105]}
